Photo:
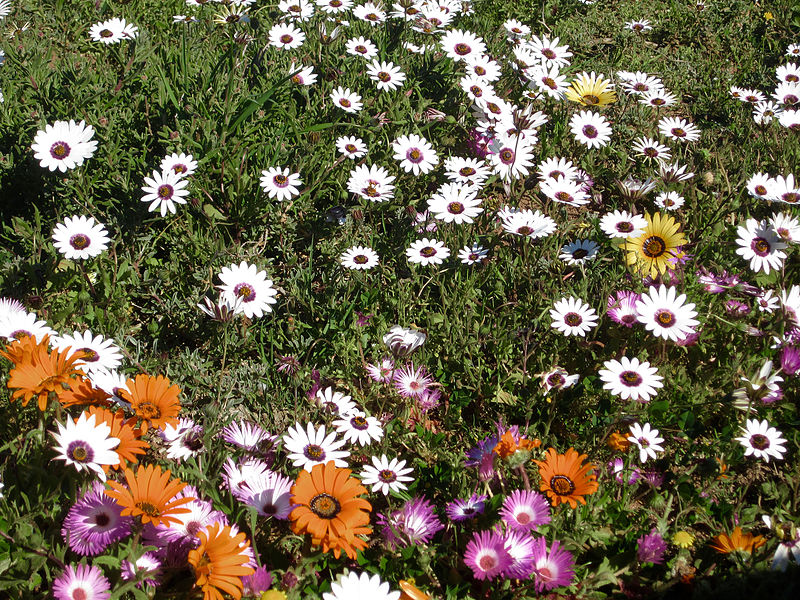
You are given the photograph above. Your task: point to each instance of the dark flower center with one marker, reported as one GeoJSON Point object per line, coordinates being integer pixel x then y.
{"type": "Point", "coordinates": [573, 319]}
{"type": "Point", "coordinates": [665, 318]}
{"type": "Point", "coordinates": [462, 49]}
{"type": "Point", "coordinates": [791, 197]}
{"type": "Point", "coordinates": [555, 380]}
{"type": "Point", "coordinates": [360, 259]}
{"type": "Point", "coordinates": [89, 355]}
{"type": "Point", "coordinates": [487, 562]}
{"type": "Point", "coordinates": [678, 132]}
{"type": "Point", "coordinates": [387, 476]}
{"type": "Point", "coordinates": [414, 155]}
{"type": "Point", "coordinates": [562, 485]}
{"type": "Point", "coordinates": [654, 247]}
{"type": "Point", "coordinates": [760, 246]}
{"type": "Point", "coordinates": [60, 150]}
{"type": "Point", "coordinates": [658, 102]}
{"type": "Point", "coordinates": [550, 82]}
{"type": "Point", "coordinates": [630, 378]}
{"type": "Point", "coordinates": [563, 196]}
{"type": "Point", "coordinates": [325, 506]}
{"type": "Point", "coordinates": [178, 169]}
{"type": "Point", "coordinates": [590, 131]}
{"type": "Point", "coordinates": [148, 411]}
{"type": "Point", "coordinates": [245, 291]}
{"type": "Point", "coordinates": [79, 241]}
{"type": "Point", "coordinates": [760, 190]}
{"type": "Point", "coordinates": [102, 519]}
{"type": "Point", "coordinates": [624, 227]}
{"type": "Point", "coordinates": [759, 442]}
{"type": "Point", "coordinates": [525, 230]}
{"type": "Point", "coordinates": [165, 191]}
{"type": "Point", "coordinates": [384, 76]}
{"type": "Point", "coordinates": [590, 99]}
{"type": "Point", "coordinates": [345, 102]}
{"type": "Point", "coordinates": [148, 508]}
{"type": "Point", "coordinates": [314, 452]}
{"type": "Point", "coordinates": [351, 148]}
{"type": "Point", "coordinates": [280, 180]}
{"type": "Point", "coordinates": [548, 53]}
{"type": "Point", "coordinates": [106, 33]}
{"type": "Point", "coordinates": [428, 251]}
{"type": "Point", "coordinates": [506, 156]}
{"type": "Point", "coordinates": [476, 91]}
{"type": "Point", "coordinates": [80, 452]}
{"type": "Point", "coordinates": [580, 253]}
{"type": "Point", "coordinates": [455, 208]}
{"type": "Point", "coordinates": [361, 49]}
{"type": "Point", "coordinates": [650, 152]}
{"type": "Point", "coordinates": [467, 172]}
{"type": "Point", "coordinates": [359, 423]}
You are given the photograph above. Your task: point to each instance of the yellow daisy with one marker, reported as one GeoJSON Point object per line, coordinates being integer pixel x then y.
{"type": "Point", "coordinates": [591, 90]}
{"type": "Point", "coordinates": [652, 251]}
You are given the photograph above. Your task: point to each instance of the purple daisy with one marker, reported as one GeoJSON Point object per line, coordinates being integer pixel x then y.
{"type": "Point", "coordinates": [482, 456]}
{"type": "Point", "coordinates": [525, 511]}
{"type": "Point", "coordinates": [269, 493]}
{"type": "Point", "coordinates": [486, 555]}
{"type": "Point", "coordinates": [429, 399]}
{"type": "Point", "coordinates": [622, 308]}
{"type": "Point", "coordinates": [413, 524]}
{"type": "Point", "coordinates": [411, 382]}
{"type": "Point", "coordinates": [790, 360]}
{"type": "Point", "coordinates": [519, 545]}
{"type": "Point", "coordinates": [248, 436]}
{"type": "Point", "coordinates": [146, 570]}
{"type": "Point", "coordinates": [200, 515]}
{"type": "Point", "coordinates": [94, 522]}
{"type": "Point", "coordinates": [81, 582]}
{"type": "Point", "coordinates": [551, 569]}
{"type": "Point", "coordinates": [465, 509]}
{"type": "Point", "coordinates": [651, 548]}
{"type": "Point", "coordinates": [258, 582]}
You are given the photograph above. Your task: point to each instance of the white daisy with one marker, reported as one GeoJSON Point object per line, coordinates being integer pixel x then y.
{"type": "Point", "coordinates": [784, 190]}
{"type": "Point", "coordinates": [649, 149]}
{"type": "Point", "coordinates": [360, 258]}
{"type": "Point", "coordinates": [99, 353]}
{"type": "Point", "coordinates": [461, 45]}
{"type": "Point", "coordinates": [455, 203]}
{"type": "Point", "coordinates": [470, 255]}
{"type": "Point", "coordinates": [371, 183]}
{"type": "Point", "coordinates": [302, 75]}
{"type": "Point", "coordinates": [658, 98]}
{"type": "Point", "coordinates": [280, 184]}
{"type": "Point", "coordinates": [80, 237]}
{"type": "Point", "coordinates": [86, 445]}
{"type": "Point", "coordinates": [358, 427]}
{"type": "Point", "coordinates": [415, 153]}
{"type": "Point", "coordinates": [386, 75]}
{"type": "Point", "coordinates": [590, 129]}
{"type": "Point", "coordinates": [669, 200]}
{"type": "Point", "coordinates": [164, 190]}
{"type": "Point", "coordinates": [564, 191]}
{"type": "Point", "coordinates": [402, 341]}
{"type": "Point", "coordinates": [761, 440]}
{"type": "Point", "coordinates": [466, 171]}
{"type": "Point", "coordinates": [760, 244]}
{"type": "Point", "coordinates": [555, 168]}
{"type": "Point", "coordinates": [678, 129]}
{"type": "Point", "coordinates": [64, 145]}
{"type": "Point", "coordinates": [572, 317]}
{"type": "Point", "coordinates": [511, 156]}
{"type": "Point", "coordinates": [180, 164]}
{"type": "Point", "coordinates": [646, 439]}
{"type": "Point", "coordinates": [286, 36]}
{"type": "Point", "coordinates": [348, 101]}
{"type": "Point", "coordinates": [336, 403]}
{"type": "Point", "coordinates": [528, 223]}
{"type": "Point", "coordinates": [248, 288]}
{"type": "Point", "coordinates": [666, 315]}
{"type": "Point", "coordinates": [18, 324]}
{"type": "Point", "coordinates": [354, 586]}
{"type": "Point", "coordinates": [767, 301]}
{"type": "Point", "coordinates": [630, 379]}
{"type": "Point", "coordinates": [370, 13]}
{"type": "Point", "coordinates": [361, 46]}
{"type": "Point", "coordinates": [311, 447]}
{"type": "Point", "coordinates": [548, 81]}
{"type": "Point", "coordinates": [622, 224]}
{"type": "Point", "coordinates": [482, 67]}
{"type": "Point", "coordinates": [786, 226]}
{"type": "Point", "coordinates": [765, 112]}
{"type": "Point", "coordinates": [351, 147]}
{"type": "Point", "coordinates": [113, 31]}
{"type": "Point", "coordinates": [385, 475]}
{"type": "Point", "coordinates": [427, 251]}
{"type": "Point", "coordinates": [761, 186]}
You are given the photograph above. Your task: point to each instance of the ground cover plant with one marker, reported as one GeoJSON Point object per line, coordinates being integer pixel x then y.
{"type": "Point", "coordinates": [344, 300]}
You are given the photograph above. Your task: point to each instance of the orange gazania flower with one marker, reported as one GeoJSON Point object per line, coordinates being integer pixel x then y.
{"type": "Point", "coordinates": [618, 441]}
{"type": "Point", "coordinates": [130, 443]}
{"type": "Point", "coordinates": [150, 494]}
{"type": "Point", "coordinates": [39, 372]}
{"type": "Point", "coordinates": [154, 400]}
{"type": "Point", "coordinates": [507, 445]}
{"type": "Point", "coordinates": [737, 541]}
{"type": "Point", "coordinates": [330, 508]}
{"type": "Point", "coordinates": [566, 478]}
{"type": "Point", "coordinates": [82, 392]}
{"type": "Point", "coordinates": [219, 562]}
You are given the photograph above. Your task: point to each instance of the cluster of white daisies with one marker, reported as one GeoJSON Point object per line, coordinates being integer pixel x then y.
{"type": "Point", "coordinates": [784, 104]}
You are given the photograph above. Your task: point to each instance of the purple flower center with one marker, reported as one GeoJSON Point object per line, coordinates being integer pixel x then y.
{"type": "Point", "coordinates": [428, 251]}
{"type": "Point", "coordinates": [89, 355]}
{"type": "Point", "coordinates": [455, 208]}
{"type": "Point", "coordinates": [80, 452]}
{"type": "Point", "coordinates": [630, 378]}
{"type": "Point", "coordinates": [414, 155]}
{"type": "Point", "coordinates": [165, 191]}
{"type": "Point", "coordinates": [79, 241]}
{"type": "Point", "coordinates": [506, 156]}
{"type": "Point", "coordinates": [590, 131]}
{"type": "Point", "coordinates": [359, 423]}
{"type": "Point", "coordinates": [60, 150]}
{"type": "Point", "coordinates": [760, 246]}
{"type": "Point", "coordinates": [387, 476]}
{"type": "Point", "coordinates": [573, 319]}
{"type": "Point", "coordinates": [665, 318]}
{"type": "Point", "coordinates": [245, 291]}
{"type": "Point", "coordinates": [280, 180]}
{"type": "Point", "coordinates": [759, 442]}
{"type": "Point", "coordinates": [462, 49]}
{"type": "Point", "coordinates": [314, 452]}
{"type": "Point", "coordinates": [360, 259]}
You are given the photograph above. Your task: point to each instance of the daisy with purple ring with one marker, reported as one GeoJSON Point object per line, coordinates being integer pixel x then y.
{"type": "Point", "coordinates": [486, 555]}
{"type": "Point", "coordinates": [465, 509]}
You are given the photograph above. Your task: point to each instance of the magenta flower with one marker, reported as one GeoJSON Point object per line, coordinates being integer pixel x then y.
{"type": "Point", "coordinates": [486, 555]}
{"type": "Point", "coordinates": [651, 548]}
{"type": "Point", "coordinates": [94, 522]}
{"type": "Point", "coordinates": [551, 569]}
{"type": "Point", "coordinates": [415, 523]}
{"type": "Point", "coordinates": [464, 510]}
{"type": "Point", "coordinates": [482, 456]}
{"type": "Point", "coordinates": [519, 545]}
{"type": "Point", "coordinates": [411, 382]}
{"type": "Point", "coordinates": [258, 582]}
{"type": "Point", "coordinates": [81, 582]}
{"type": "Point", "coordinates": [622, 307]}
{"type": "Point", "coordinates": [525, 511]}
{"type": "Point", "coordinates": [790, 360]}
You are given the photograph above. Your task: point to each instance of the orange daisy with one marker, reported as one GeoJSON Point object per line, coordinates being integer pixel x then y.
{"type": "Point", "coordinates": [566, 478]}
{"type": "Point", "coordinates": [130, 444]}
{"type": "Point", "coordinates": [39, 372]}
{"type": "Point", "coordinates": [81, 392]}
{"type": "Point", "coordinates": [508, 446]}
{"type": "Point", "coordinates": [154, 400]}
{"type": "Point", "coordinates": [219, 562]}
{"type": "Point", "coordinates": [150, 494]}
{"type": "Point", "coordinates": [330, 508]}
{"type": "Point", "coordinates": [618, 441]}
{"type": "Point", "coordinates": [737, 541]}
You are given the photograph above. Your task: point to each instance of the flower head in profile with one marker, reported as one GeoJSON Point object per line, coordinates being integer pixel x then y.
{"type": "Point", "coordinates": [415, 523]}
{"type": "Point", "coordinates": [737, 541]}
{"type": "Point", "coordinates": [220, 561]}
